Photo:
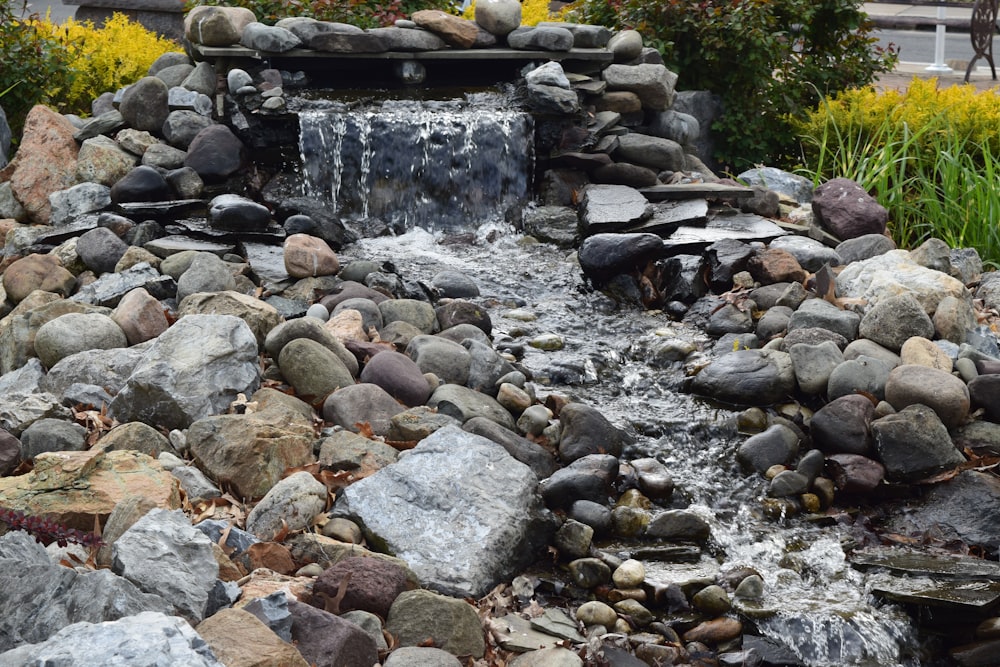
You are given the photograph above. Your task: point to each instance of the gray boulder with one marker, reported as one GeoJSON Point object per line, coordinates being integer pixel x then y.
{"type": "Point", "coordinates": [648, 151]}
{"type": "Point", "coordinates": [272, 39]}
{"type": "Point", "coordinates": [842, 425]}
{"type": "Point", "coordinates": [526, 38]}
{"type": "Point", "coordinates": [40, 598]}
{"type": "Point", "coordinates": [946, 394]}
{"type": "Point", "coordinates": [894, 273]}
{"type": "Point", "coordinates": [894, 320]}
{"type": "Point", "coordinates": [207, 273]}
{"type": "Point", "coordinates": [78, 200]}
{"type": "Point", "coordinates": [464, 404]}
{"type": "Point", "coordinates": [193, 370]}
{"type": "Point", "coordinates": [584, 431]}
{"type": "Point", "coordinates": [822, 314]}
{"type": "Point", "coordinates": [185, 571]}
{"type": "Point", "coordinates": [747, 377]}
{"type": "Point", "coordinates": [776, 445]}
{"type": "Point", "coordinates": [654, 84]}
{"type": "Point", "coordinates": [290, 504]}
{"type": "Point", "coordinates": [77, 332]}
{"type": "Point", "coordinates": [461, 530]}
{"type": "Point", "coordinates": [144, 105]}
{"type": "Point", "coordinates": [452, 623]}
{"type": "Point", "coordinates": [100, 249]}
{"type": "Point", "coordinates": [363, 403]}
{"type": "Point", "coordinates": [913, 444]}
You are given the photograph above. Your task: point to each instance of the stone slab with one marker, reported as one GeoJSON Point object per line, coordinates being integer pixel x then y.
{"type": "Point", "coordinates": [237, 52]}
{"type": "Point", "coordinates": [741, 226]}
{"type": "Point", "coordinates": [667, 192]}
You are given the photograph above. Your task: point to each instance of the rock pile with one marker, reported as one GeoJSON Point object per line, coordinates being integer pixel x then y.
{"type": "Point", "coordinates": [203, 386]}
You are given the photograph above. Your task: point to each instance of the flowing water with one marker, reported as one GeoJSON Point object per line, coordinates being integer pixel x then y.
{"type": "Point", "coordinates": [437, 164]}
{"type": "Point", "coordinates": [613, 357]}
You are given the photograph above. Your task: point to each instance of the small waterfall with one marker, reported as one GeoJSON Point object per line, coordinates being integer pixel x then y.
{"type": "Point", "coordinates": [439, 165]}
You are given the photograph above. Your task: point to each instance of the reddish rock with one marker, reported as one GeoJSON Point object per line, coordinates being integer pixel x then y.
{"type": "Point", "coordinates": [775, 265]}
{"type": "Point", "coordinates": [72, 488]}
{"type": "Point", "coordinates": [140, 316]}
{"type": "Point", "coordinates": [853, 473]}
{"type": "Point", "coordinates": [716, 631]}
{"type": "Point", "coordinates": [308, 256]}
{"type": "Point", "coordinates": [325, 640]}
{"type": "Point", "coordinates": [372, 585]}
{"type": "Point", "coordinates": [844, 209]}
{"type": "Point", "coordinates": [240, 639]}
{"type": "Point", "coordinates": [37, 272]}
{"type": "Point", "coordinates": [455, 31]}
{"type": "Point", "coordinates": [271, 555]}
{"type": "Point", "coordinates": [45, 162]}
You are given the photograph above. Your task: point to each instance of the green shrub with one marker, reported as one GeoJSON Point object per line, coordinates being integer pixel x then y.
{"type": "Point", "coordinates": [768, 60]}
{"type": "Point", "coordinates": [33, 65]}
{"type": "Point", "coordinates": [362, 13]}
{"type": "Point", "coordinates": [930, 156]}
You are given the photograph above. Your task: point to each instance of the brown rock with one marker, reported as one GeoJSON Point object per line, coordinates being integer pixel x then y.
{"type": "Point", "coordinates": [37, 272]}
{"type": "Point", "coordinates": [228, 570]}
{"type": "Point", "coordinates": [307, 256]}
{"type": "Point", "coordinates": [262, 582]}
{"type": "Point", "coordinates": [45, 162]}
{"type": "Point", "coordinates": [844, 209]}
{"type": "Point", "coordinates": [251, 452]}
{"type": "Point", "coordinates": [72, 488]}
{"type": "Point", "coordinates": [922, 352]}
{"type": "Point", "coordinates": [347, 325]}
{"type": "Point", "coordinates": [271, 555]}
{"type": "Point", "coordinates": [620, 101]}
{"type": "Point", "coordinates": [775, 265]}
{"type": "Point", "coordinates": [716, 631]}
{"type": "Point", "coordinates": [140, 316]}
{"type": "Point", "coordinates": [455, 31]}
{"type": "Point", "coordinates": [326, 640]}
{"type": "Point", "coordinates": [240, 639]}
{"type": "Point", "coordinates": [326, 551]}
{"type": "Point", "coordinates": [261, 317]}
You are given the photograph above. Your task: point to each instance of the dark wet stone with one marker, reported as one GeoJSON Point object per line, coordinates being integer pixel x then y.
{"type": "Point", "coordinates": [747, 377]}
{"type": "Point", "coordinates": [777, 445]}
{"type": "Point", "coordinates": [914, 444]}
{"type": "Point", "coordinates": [842, 425]}
{"type": "Point", "coordinates": [588, 478]}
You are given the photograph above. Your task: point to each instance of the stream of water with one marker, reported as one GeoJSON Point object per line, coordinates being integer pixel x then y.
{"type": "Point", "coordinates": [814, 602]}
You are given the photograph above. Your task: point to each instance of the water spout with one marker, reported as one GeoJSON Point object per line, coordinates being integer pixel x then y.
{"type": "Point", "coordinates": [436, 165]}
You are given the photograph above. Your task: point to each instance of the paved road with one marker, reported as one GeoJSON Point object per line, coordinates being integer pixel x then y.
{"type": "Point", "coordinates": [58, 11]}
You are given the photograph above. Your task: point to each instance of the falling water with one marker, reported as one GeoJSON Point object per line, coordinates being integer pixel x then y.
{"type": "Point", "coordinates": [815, 603]}
{"type": "Point", "coordinates": [439, 165]}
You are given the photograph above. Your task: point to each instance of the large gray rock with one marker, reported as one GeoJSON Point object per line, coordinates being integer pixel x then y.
{"type": "Point", "coordinates": [894, 320]}
{"type": "Point", "coordinates": [144, 104]}
{"type": "Point", "coordinates": [498, 17]}
{"type": "Point", "coordinates": [72, 333]}
{"type": "Point", "coordinates": [207, 273]}
{"type": "Point", "coordinates": [185, 569]}
{"type": "Point", "coordinates": [473, 515]}
{"type": "Point", "coordinates": [464, 404]}
{"type": "Point", "coordinates": [913, 444]}
{"type": "Point", "coordinates": [40, 598]}
{"type": "Point", "coordinates": [842, 425]}
{"type": "Point", "coordinates": [604, 256]}
{"type": "Point", "coordinates": [78, 200]}
{"type": "Point", "coordinates": [454, 624]}
{"type": "Point", "coordinates": [193, 370]}
{"type": "Point", "coordinates": [291, 504]}
{"type": "Point", "coordinates": [820, 313]}
{"type": "Point", "coordinates": [653, 152]}
{"type": "Point", "coordinates": [102, 160]}
{"type": "Point", "coordinates": [946, 394]}
{"type": "Point", "coordinates": [148, 639]}
{"type": "Point", "coordinates": [272, 39]}
{"type": "Point", "coordinates": [747, 377]}
{"type": "Point", "coordinates": [615, 205]}
{"type": "Point", "coordinates": [654, 84]}
{"type": "Point", "coordinates": [893, 273]}
{"type": "Point", "coordinates": [585, 431]}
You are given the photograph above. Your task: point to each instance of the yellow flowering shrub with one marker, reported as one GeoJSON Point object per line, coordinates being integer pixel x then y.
{"type": "Point", "coordinates": [103, 59]}
{"type": "Point", "coordinates": [533, 12]}
{"type": "Point", "coordinates": [923, 110]}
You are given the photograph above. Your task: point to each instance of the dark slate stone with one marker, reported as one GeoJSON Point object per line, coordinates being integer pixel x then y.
{"type": "Point", "coordinates": [584, 431]}
{"type": "Point", "coordinates": [142, 184]}
{"type": "Point", "coordinates": [985, 393]}
{"type": "Point", "coordinates": [603, 256]}
{"type": "Point", "coordinates": [588, 478]}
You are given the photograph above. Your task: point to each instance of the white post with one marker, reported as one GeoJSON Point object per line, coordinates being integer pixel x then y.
{"type": "Point", "coordinates": [939, 64]}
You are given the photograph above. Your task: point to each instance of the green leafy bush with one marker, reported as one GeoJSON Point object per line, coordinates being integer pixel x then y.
{"type": "Point", "coordinates": [362, 13]}
{"type": "Point", "coordinates": [33, 65]}
{"type": "Point", "coordinates": [768, 60]}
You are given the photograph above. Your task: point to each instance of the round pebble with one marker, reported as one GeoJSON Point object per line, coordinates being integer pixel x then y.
{"type": "Point", "coordinates": [597, 613]}
{"type": "Point", "coordinates": [630, 574]}
{"type": "Point", "coordinates": [318, 311]}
